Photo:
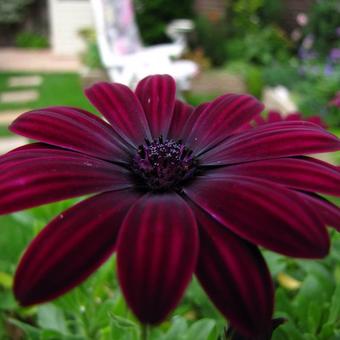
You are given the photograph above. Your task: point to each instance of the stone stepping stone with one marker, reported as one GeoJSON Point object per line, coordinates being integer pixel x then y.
{"type": "Point", "coordinates": [10, 143]}
{"type": "Point", "coordinates": [7, 117]}
{"type": "Point", "coordinates": [21, 96]}
{"type": "Point", "coordinates": [22, 81]}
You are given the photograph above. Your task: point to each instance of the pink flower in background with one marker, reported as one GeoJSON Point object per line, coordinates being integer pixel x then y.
{"type": "Point", "coordinates": [335, 101]}
{"type": "Point", "coordinates": [175, 191]}
{"type": "Point", "coordinates": [302, 19]}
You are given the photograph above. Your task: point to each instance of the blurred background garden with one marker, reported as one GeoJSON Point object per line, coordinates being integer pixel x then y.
{"type": "Point", "coordinates": [284, 52]}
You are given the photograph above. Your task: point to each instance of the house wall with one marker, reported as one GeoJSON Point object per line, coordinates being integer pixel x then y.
{"type": "Point", "coordinates": [67, 18]}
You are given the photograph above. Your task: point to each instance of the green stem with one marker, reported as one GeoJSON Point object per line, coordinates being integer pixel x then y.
{"type": "Point", "coordinates": [144, 332]}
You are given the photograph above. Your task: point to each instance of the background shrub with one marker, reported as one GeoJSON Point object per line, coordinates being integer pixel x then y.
{"type": "Point", "coordinates": [31, 40]}
{"type": "Point", "coordinates": [153, 16]}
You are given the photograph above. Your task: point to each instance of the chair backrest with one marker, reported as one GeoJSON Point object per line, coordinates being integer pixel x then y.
{"type": "Point", "coordinates": [116, 28]}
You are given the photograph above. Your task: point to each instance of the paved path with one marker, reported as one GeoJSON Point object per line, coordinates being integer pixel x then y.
{"type": "Point", "coordinates": [16, 59]}
{"type": "Point", "coordinates": [21, 96]}
{"type": "Point", "coordinates": [218, 82]}
{"type": "Point", "coordinates": [15, 94]}
{"type": "Point", "coordinates": [24, 81]}
{"type": "Point", "coordinates": [8, 116]}
{"type": "Point", "coordinates": [10, 143]}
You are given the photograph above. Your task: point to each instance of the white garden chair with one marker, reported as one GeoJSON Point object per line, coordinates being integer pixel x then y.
{"type": "Point", "coordinates": [123, 54]}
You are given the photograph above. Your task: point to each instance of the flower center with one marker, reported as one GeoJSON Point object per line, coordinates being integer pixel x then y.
{"type": "Point", "coordinates": [163, 165]}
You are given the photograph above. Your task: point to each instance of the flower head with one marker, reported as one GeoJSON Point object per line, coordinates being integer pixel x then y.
{"type": "Point", "coordinates": [176, 191]}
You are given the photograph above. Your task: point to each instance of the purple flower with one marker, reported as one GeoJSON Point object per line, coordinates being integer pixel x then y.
{"type": "Point", "coordinates": [337, 31]}
{"type": "Point", "coordinates": [334, 55]}
{"type": "Point", "coordinates": [176, 191]}
{"type": "Point", "coordinates": [328, 70]}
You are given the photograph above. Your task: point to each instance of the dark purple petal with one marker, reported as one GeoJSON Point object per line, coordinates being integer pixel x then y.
{"type": "Point", "coordinates": [328, 212]}
{"type": "Point", "coordinates": [304, 174]}
{"type": "Point", "coordinates": [273, 116]}
{"type": "Point", "coordinates": [122, 109]}
{"type": "Point", "coordinates": [259, 120]}
{"type": "Point", "coordinates": [235, 276]}
{"type": "Point", "coordinates": [264, 213]}
{"type": "Point", "coordinates": [181, 114]}
{"type": "Point", "coordinates": [232, 334]}
{"type": "Point", "coordinates": [157, 253]}
{"type": "Point", "coordinates": [317, 120]}
{"type": "Point", "coordinates": [221, 118]}
{"type": "Point", "coordinates": [37, 148]}
{"type": "Point", "coordinates": [272, 140]}
{"type": "Point", "coordinates": [71, 247]}
{"type": "Point", "coordinates": [293, 116]}
{"type": "Point", "coordinates": [39, 176]}
{"type": "Point", "coordinates": [190, 122]}
{"type": "Point", "coordinates": [72, 129]}
{"type": "Point", "coordinates": [157, 96]}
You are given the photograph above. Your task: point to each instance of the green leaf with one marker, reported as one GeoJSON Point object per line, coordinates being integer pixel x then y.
{"type": "Point", "coordinates": [287, 331]}
{"type": "Point", "coordinates": [313, 290]}
{"type": "Point", "coordinates": [334, 310]}
{"type": "Point", "coordinates": [32, 333]}
{"type": "Point", "coordinates": [123, 329]}
{"type": "Point", "coordinates": [276, 262]}
{"type": "Point", "coordinates": [201, 330]}
{"type": "Point", "coordinates": [6, 280]}
{"type": "Point", "coordinates": [52, 317]}
{"type": "Point", "coordinates": [314, 316]}
{"type": "Point", "coordinates": [7, 301]}
{"type": "Point", "coordinates": [282, 301]}
{"type": "Point", "coordinates": [327, 331]}
{"type": "Point", "coordinates": [48, 334]}
{"type": "Point", "coordinates": [178, 328]}
{"type": "Point", "coordinates": [122, 322]}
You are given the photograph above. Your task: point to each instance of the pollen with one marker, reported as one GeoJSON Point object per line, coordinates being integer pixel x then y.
{"type": "Point", "coordinates": [162, 165]}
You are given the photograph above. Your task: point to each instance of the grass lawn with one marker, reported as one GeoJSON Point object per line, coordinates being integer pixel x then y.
{"type": "Point", "coordinates": [56, 89]}
{"type": "Point", "coordinates": [4, 132]}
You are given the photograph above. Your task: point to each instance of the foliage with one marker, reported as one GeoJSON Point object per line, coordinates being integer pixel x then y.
{"type": "Point", "coordinates": [333, 116]}
{"type": "Point", "coordinates": [153, 16]}
{"type": "Point", "coordinates": [323, 24]}
{"type": "Point", "coordinates": [31, 40]}
{"type": "Point", "coordinates": [311, 87]}
{"type": "Point", "coordinates": [254, 34]}
{"type": "Point", "coordinates": [262, 46]}
{"type": "Point", "coordinates": [211, 37]}
{"type": "Point", "coordinates": [248, 15]}
{"type": "Point", "coordinates": [244, 16]}
{"type": "Point", "coordinates": [315, 99]}
{"type": "Point", "coordinates": [251, 74]}
{"type": "Point", "coordinates": [313, 308]}
{"type": "Point", "coordinates": [12, 11]}
{"type": "Point", "coordinates": [270, 11]}
{"type": "Point", "coordinates": [281, 74]}
{"type": "Point", "coordinates": [96, 309]}
{"type": "Point", "coordinates": [91, 57]}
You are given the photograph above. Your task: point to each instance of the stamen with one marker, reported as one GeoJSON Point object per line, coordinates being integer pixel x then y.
{"type": "Point", "coordinates": [162, 165]}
